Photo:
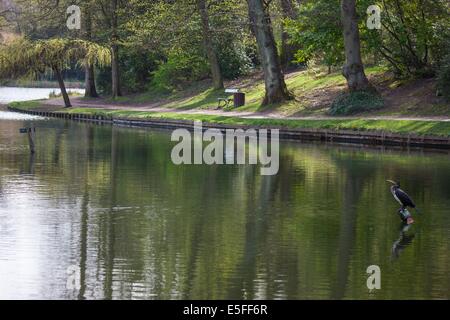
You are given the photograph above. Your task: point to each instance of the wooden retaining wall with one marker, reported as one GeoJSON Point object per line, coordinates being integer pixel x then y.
{"type": "Point", "coordinates": [348, 136]}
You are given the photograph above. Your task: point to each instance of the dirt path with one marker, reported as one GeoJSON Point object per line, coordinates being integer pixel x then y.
{"type": "Point", "coordinates": [78, 102]}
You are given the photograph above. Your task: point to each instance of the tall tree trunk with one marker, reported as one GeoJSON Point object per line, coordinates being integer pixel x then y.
{"type": "Point", "coordinates": [353, 70]}
{"type": "Point", "coordinates": [287, 50]}
{"type": "Point", "coordinates": [89, 82]}
{"type": "Point", "coordinates": [89, 79]}
{"type": "Point", "coordinates": [276, 90]}
{"type": "Point", "coordinates": [115, 76]}
{"type": "Point", "coordinates": [209, 47]}
{"type": "Point", "coordinates": [62, 86]}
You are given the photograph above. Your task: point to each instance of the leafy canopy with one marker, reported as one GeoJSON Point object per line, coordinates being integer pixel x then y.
{"type": "Point", "coordinates": [26, 58]}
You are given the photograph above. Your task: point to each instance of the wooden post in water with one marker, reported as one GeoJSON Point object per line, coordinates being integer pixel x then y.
{"type": "Point", "coordinates": [31, 138]}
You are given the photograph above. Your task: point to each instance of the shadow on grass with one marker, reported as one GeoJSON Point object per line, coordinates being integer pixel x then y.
{"type": "Point", "coordinates": [205, 100]}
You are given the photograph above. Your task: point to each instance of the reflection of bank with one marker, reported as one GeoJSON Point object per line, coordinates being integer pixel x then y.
{"type": "Point", "coordinates": [405, 239]}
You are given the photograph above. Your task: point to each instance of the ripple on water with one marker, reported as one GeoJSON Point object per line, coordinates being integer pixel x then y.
{"type": "Point", "coordinates": [109, 202]}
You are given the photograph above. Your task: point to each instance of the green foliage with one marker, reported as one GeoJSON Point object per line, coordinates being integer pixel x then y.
{"type": "Point", "coordinates": [412, 38]}
{"type": "Point", "coordinates": [136, 67]}
{"type": "Point", "coordinates": [443, 66]}
{"type": "Point", "coordinates": [444, 78]}
{"type": "Point", "coordinates": [354, 102]}
{"type": "Point", "coordinates": [179, 69]}
{"type": "Point", "coordinates": [161, 42]}
{"type": "Point", "coordinates": [234, 44]}
{"type": "Point", "coordinates": [412, 35]}
{"type": "Point", "coordinates": [42, 19]}
{"type": "Point", "coordinates": [70, 93]}
{"type": "Point", "coordinates": [318, 32]}
{"type": "Point", "coordinates": [233, 59]}
{"type": "Point", "coordinates": [26, 58]}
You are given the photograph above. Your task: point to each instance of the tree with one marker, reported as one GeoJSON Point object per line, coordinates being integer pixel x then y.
{"type": "Point", "coordinates": [193, 40]}
{"type": "Point", "coordinates": [115, 51]}
{"type": "Point", "coordinates": [23, 57]}
{"type": "Point", "coordinates": [288, 49]}
{"type": "Point", "coordinates": [42, 19]}
{"type": "Point", "coordinates": [353, 69]}
{"type": "Point", "coordinates": [209, 47]}
{"type": "Point", "coordinates": [110, 13]}
{"type": "Point", "coordinates": [276, 90]}
{"type": "Point", "coordinates": [317, 33]}
{"type": "Point", "coordinates": [414, 33]}
{"type": "Point", "coordinates": [5, 12]}
{"type": "Point", "coordinates": [89, 80]}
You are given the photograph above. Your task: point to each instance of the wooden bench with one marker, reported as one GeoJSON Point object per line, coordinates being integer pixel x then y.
{"type": "Point", "coordinates": [225, 102]}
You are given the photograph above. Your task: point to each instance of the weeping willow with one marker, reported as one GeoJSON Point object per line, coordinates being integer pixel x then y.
{"type": "Point", "coordinates": [23, 58]}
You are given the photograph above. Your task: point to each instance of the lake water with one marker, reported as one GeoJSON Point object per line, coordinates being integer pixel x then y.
{"type": "Point", "coordinates": [10, 94]}
{"type": "Point", "coordinates": [107, 202]}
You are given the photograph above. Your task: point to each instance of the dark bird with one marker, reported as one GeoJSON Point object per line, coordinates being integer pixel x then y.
{"type": "Point", "coordinates": [404, 199]}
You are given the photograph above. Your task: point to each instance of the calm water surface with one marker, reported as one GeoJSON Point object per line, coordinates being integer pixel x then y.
{"type": "Point", "coordinates": [109, 202]}
{"type": "Point", "coordinates": [9, 94]}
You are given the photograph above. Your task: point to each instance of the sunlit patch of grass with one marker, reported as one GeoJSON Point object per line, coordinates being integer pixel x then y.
{"type": "Point", "coordinates": [394, 126]}
{"type": "Point", "coordinates": [70, 93]}
{"type": "Point", "coordinates": [26, 105]}
{"type": "Point", "coordinates": [420, 127]}
{"type": "Point", "coordinates": [301, 84]}
{"type": "Point", "coordinates": [206, 99]}
{"type": "Point", "coordinates": [199, 96]}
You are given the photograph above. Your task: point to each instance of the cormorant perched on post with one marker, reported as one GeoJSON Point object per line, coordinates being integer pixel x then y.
{"type": "Point", "coordinates": [404, 200]}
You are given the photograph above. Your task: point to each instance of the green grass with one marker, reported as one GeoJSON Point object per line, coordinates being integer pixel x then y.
{"type": "Point", "coordinates": [394, 126]}
{"type": "Point", "coordinates": [200, 96]}
{"type": "Point", "coordinates": [301, 83]}
{"type": "Point", "coordinates": [313, 89]}
{"type": "Point", "coordinates": [355, 102]}
{"type": "Point", "coordinates": [419, 127]}
{"type": "Point", "coordinates": [27, 105]}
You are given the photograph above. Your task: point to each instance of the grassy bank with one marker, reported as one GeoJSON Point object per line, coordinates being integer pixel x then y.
{"type": "Point", "coordinates": [420, 127]}
{"type": "Point", "coordinates": [314, 91]}
{"type": "Point", "coordinates": [200, 96]}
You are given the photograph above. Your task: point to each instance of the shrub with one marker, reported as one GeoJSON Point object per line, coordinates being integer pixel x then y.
{"type": "Point", "coordinates": [135, 71]}
{"type": "Point", "coordinates": [444, 79]}
{"type": "Point", "coordinates": [136, 67]}
{"type": "Point", "coordinates": [353, 102]}
{"type": "Point", "coordinates": [179, 70]}
{"type": "Point", "coordinates": [234, 61]}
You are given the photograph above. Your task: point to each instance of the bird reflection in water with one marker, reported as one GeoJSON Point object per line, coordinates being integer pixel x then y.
{"type": "Point", "coordinates": [405, 239]}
